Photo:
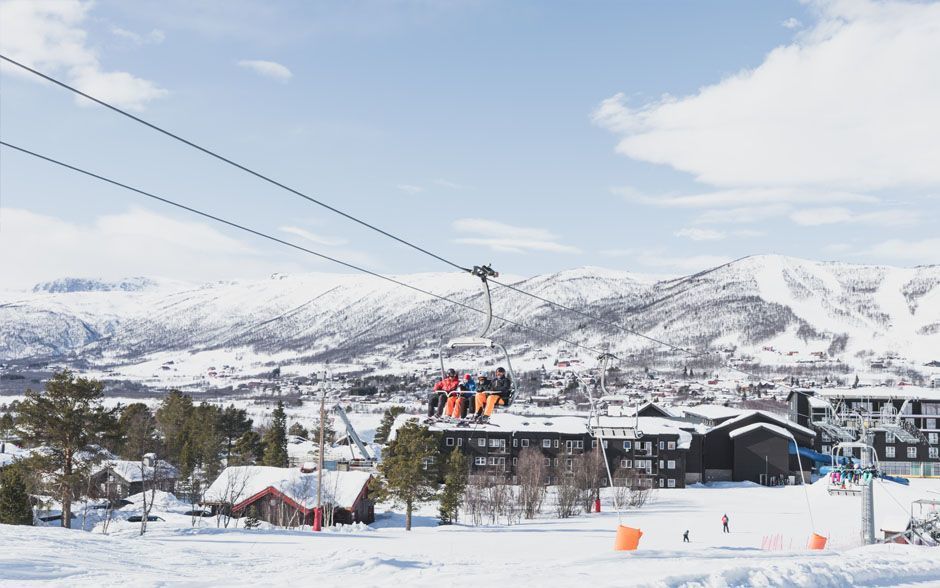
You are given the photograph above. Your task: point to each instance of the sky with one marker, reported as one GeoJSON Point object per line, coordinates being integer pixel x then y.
{"type": "Point", "coordinates": [654, 137]}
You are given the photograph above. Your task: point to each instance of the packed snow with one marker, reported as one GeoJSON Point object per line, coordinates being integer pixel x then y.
{"type": "Point", "coordinates": [547, 551]}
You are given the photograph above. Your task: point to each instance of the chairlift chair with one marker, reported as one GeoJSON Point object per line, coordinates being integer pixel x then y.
{"type": "Point", "coordinates": [481, 341]}
{"type": "Point", "coordinates": [837, 483]}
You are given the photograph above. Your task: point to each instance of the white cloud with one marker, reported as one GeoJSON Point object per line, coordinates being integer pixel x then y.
{"type": "Point", "coordinates": [743, 196]}
{"type": "Point", "coordinates": [270, 69]}
{"type": "Point", "coordinates": [836, 214]}
{"type": "Point", "coordinates": [48, 35]}
{"type": "Point", "coordinates": [154, 37]}
{"type": "Point", "coordinates": [926, 251]}
{"type": "Point", "coordinates": [36, 247]}
{"type": "Point", "coordinates": [791, 23]}
{"type": "Point", "coordinates": [508, 238]}
{"type": "Point", "coordinates": [700, 234]}
{"type": "Point", "coordinates": [314, 237]}
{"type": "Point", "coordinates": [851, 103]}
{"type": "Point", "coordinates": [410, 188]}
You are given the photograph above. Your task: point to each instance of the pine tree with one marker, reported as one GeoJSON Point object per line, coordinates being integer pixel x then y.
{"type": "Point", "coordinates": [173, 417]}
{"type": "Point", "coordinates": [138, 428]}
{"type": "Point", "coordinates": [298, 430]}
{"type": "Point", "coordinates": [248, 450]}
{"type": "Point", "coordinates": [233, 423]}
{"type": "Point", "coordinates": [67, 418]}
{"type": "Point", "coordinates": [385, 427]}
{"type": "Point", "coordinates": [15, 508]}
{"type": "Point", "coordinates": [455, 484]}
{"type": "Point", "coordinates": [407, 468]}
{"type": "Point", "coordinates": [275, 439]}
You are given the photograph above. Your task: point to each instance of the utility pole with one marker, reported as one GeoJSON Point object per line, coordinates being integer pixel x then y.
{"type": "Point", "coordinates": [318, 517]}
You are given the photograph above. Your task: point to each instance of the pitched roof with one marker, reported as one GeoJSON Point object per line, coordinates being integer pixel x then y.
{"type": "Point", "coordinates": [775, 417]}
{"type": "Point", "coordinates": [238, 483]}
{"type": "Point", "coordinates": [753, 427]}
{"type": "Point", "coordinates": [133, 471]}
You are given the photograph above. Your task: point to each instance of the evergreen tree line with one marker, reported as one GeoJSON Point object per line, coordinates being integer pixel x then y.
{"type": "Point", "coordinates": [69, 421]}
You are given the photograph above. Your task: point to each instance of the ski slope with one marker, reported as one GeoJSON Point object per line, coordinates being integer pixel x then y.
{"type": "Point", "coordinates": [546, 552]}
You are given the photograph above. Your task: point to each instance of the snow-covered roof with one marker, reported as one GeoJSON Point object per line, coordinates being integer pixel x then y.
{"type": "Point", "coordinates": [568, 425]}
{"type": "Point", "coordinates": [817, 402]}
{"type": "Point", "coordinates": [776, 417]}
{"type": "Point", "coordinates": [632, 410]}
{"type": "Point", "coordinates": [712, 411]}
{"type": "Point", "coordinates": [238, 483]}
{"type": "Point", "coordinates": [899, 392]}
{"type": "Point", "coordinates": [753, 427]}
{"type": "Point", "coordinates": [502, 421]}
{"type": "Point", "coordinates": [304, 450]}
{"type": "Point", "coordinates": [133, 471]}
{"type": "Point", "coordinates": [652, 426]}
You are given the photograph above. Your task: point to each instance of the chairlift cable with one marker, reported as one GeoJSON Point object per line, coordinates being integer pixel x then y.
{"type": "Point", "coordinates": [353, 218]}
{"type": "Point", "coordinates": [288, 243]}
{"type": "Point", "coordinates": [224, 159]}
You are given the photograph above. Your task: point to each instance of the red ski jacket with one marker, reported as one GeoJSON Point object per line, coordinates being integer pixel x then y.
{"type": "Point", "coordinates": [447, 385]}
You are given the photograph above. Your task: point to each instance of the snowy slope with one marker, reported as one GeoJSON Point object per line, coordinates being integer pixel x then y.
{"type": "Point", "coordinates": [754, 302]}
{"type": "Point", "coordinates": [545, 552]}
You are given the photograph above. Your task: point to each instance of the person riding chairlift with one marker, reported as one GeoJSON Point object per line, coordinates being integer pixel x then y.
{"type": "Point", "coordinates": [439, 396]}
{"type": "Point", "coordinates": [497, 392]}
{"type": "Point", "coordinates": [456, 404]}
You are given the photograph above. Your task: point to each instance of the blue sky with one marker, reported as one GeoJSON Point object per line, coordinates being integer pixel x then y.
{"type": "Point", "coordinates": [656, 137]}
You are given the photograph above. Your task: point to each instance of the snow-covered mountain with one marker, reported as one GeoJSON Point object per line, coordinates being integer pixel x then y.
{"type": "Point", "coordinates": [756, 302]}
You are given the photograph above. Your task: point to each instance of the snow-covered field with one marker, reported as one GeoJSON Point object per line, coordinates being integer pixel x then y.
{"type": "Point", "coordinates": [546, 552]}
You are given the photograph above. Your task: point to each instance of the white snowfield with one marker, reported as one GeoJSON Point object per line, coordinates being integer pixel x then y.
{"type": "Point", "coordinates": [546, 552]}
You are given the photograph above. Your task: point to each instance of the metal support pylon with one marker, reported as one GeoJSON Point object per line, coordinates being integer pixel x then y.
{"type": "Point", "coordinates": [868, 495]}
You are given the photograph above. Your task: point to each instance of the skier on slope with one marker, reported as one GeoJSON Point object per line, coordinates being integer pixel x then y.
{"type": "Point", "coordinates": [438, 396]}
{"type": "Point", "coordinates": [685, 537]}
{"type": "Point", "coordinates": [724, 524]}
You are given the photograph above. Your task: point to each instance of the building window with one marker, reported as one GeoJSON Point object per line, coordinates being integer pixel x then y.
{"type": "Point", "coordinates": [933, 452]}
{"type": "Point", "coordinates": [826, 448]}
{"type": "Point", "coordinates": [480, 461]}
{"type": "Point", "coordinates": [626, 463]}
{"type": "Point", "coordinates": [556, 462]}
{"type": "Point", "coordinates": [569, 464]}
{"type": "Point", "coordinates": [889, 451]}
{"type": "Point", "coordinates": [515, 442]}
{"type": "Point", "coordinates": [492, 461]}
{"type": "Point", "coordinates": [481, 442]}
{"type": "Point", "coordinates": [931, 423]}
{"type": "Point", "coordinates": [514, 461]}
{"type": "Point", "coordinates": [671, 483]}
{"type": "Point", "coordinates": [671, 464]}
{"type": "Point", "coordinates": [932, 438]}
{"type": "Point", "coordinates": [662, 482]}
{"type": "Point", "coordinates": [449, 441]}
{"type": "Point", "coordinates": [889, 438]}
{"type": "Point", "coordinates": [497, 442]}
{"type": "Point", "coordinates": [556, 443]}
{"type": "Point", "coordinates": [662, 465]}
{"type": "Point", "coordinates": [594, 444]}
{"type": "Point", "coordinates": [548, 462]}
{"type": "Point", "coordinates": [525, 442]}
{"type": "Point", "coordinates": [912, 452]}
{"type": "Point", "coordinates": [627, 445]}
{"type": "Point", "coordinates": [662, 445]}
{"type": "Point", "coordinates": [459, 441]}
{"type": "Point", "coordinates": [547, 443]}
{"type": "Point", "coordinates": [671, 445]}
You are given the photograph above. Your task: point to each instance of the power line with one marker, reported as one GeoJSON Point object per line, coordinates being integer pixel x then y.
{"type": "Point", "coordinates": [348, 216]}
{"type": "Point", "coordinates": [288, 244]}
{"type": "Point", "coordinates": [222, 158]}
